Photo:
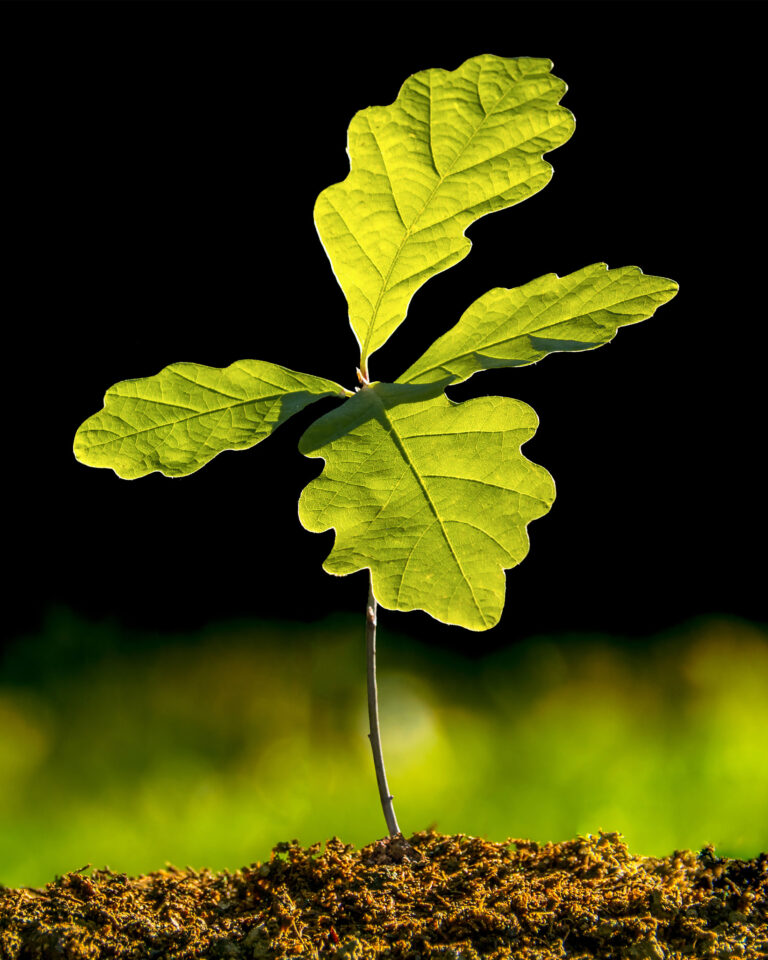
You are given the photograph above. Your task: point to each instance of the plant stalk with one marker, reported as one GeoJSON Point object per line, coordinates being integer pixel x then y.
{"type": "Point", "coordinates": [373, 716]}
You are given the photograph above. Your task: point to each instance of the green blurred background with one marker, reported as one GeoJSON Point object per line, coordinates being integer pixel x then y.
{"type": "Point", "coordinates": [162, 179]}
{"type": "Point", "coordinates": [129, 750]}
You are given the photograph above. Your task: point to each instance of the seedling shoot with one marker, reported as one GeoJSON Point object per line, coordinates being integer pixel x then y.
{"type": "Point", "coordinates": [432, 497]}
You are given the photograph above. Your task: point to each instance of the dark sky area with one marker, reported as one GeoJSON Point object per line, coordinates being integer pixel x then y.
{"type": "Point", "coordinates": [162, 165]}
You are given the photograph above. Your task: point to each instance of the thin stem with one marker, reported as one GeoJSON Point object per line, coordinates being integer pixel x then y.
{"type": "Point", "coordinates": [373, 717]}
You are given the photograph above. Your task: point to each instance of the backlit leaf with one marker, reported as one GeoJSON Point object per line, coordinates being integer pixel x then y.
{"type": "Point", "coordinates": [434, 497]}
{"type": "Point", "coordinates": [179, 419]}
{"type": "Point", "coordinates": [454, 146]}
{"type": "Point", "coordinates": [512, 328]}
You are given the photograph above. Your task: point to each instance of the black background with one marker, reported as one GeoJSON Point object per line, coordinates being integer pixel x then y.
{"type": "Point", "coordinates": [162, 162]}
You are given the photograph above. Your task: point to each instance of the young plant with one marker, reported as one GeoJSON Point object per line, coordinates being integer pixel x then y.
{"type": "Point", "coordinates": [432, 497]}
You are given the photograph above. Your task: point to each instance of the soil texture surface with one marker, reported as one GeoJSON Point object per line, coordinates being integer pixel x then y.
{"type": "Point", "coordinates": [430, 895]}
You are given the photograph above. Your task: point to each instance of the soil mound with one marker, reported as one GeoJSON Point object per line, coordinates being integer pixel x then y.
{"type": "Point", "coordinates": [430, 895]}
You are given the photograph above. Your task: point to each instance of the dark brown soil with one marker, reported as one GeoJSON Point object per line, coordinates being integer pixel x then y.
{"type": "Point", "coordinates": [429, 896]}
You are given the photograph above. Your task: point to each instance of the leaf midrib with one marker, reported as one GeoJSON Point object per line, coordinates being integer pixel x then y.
{"type": "Point", "coordinates": [422, 486]}
{"type": "Point", "coordinates": [173, 423]}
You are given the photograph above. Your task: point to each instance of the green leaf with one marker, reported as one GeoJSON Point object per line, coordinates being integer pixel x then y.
{"type": "Point", "coordinates": [512, 328]}
{"type": "Point", "coordinates": [434, 497]}
{"type": "Point", "coordinates": [178, 420]}
{"type": "Point", "coordinates": [454, 146]}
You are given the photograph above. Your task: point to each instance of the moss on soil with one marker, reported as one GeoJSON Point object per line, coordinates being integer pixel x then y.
{"type": "Point", "coordinates": [428, 896]}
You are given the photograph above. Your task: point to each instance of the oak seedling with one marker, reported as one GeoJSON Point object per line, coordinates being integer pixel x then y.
{"type": "Point", "coordinates": [431, 496]}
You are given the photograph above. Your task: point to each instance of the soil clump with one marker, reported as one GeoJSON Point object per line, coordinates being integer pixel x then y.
{"type": "Point", "coordinates": [428, 896]}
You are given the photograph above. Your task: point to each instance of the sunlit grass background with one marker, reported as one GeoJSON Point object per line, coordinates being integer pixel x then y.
{"type": "Point", "coordinates": [130, 750]}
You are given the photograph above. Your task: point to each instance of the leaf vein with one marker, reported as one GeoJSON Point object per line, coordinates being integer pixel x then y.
{"type": "Point", "coordinates": [406, 456]}
{"type": "Point", "coordinates": [173, 423]}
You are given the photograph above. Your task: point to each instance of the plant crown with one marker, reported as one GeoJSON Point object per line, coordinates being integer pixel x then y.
{"type": "Point", "coordinates": [434, 497]}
